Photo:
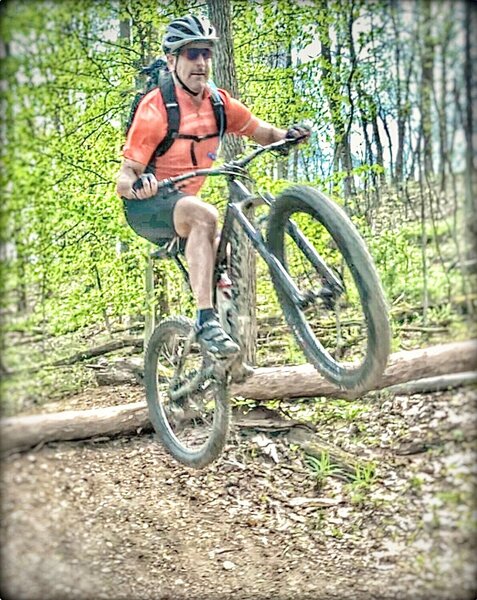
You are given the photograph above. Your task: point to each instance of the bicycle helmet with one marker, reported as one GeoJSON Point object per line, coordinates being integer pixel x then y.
{"type": "Point", "coordinates": [187, 29]}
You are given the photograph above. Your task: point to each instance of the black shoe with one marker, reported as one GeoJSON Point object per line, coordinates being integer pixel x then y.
{"type": "Point", "coordinates": [215, 340]}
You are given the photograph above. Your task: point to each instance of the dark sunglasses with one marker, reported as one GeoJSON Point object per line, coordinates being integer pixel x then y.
{"type": "Point", "coordinates": [194, 53]}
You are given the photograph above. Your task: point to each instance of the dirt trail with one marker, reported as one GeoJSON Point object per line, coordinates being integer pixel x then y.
{"type": "Point", "coordinates": [119, 519]}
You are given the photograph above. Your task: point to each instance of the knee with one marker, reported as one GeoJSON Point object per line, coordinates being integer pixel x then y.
{"type": "Point", "coordinates": [191, 215]}
{"type": "Point", "coordinates": [206, 217]}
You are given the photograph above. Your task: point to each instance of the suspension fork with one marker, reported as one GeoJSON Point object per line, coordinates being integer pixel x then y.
{"type": "Point", "coordinates": [309, 251]}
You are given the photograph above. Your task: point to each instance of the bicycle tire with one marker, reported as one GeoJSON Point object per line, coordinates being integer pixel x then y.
{"type": "Point", "coordinates": [168, 330]}
{"type": "Point", "coordinates": [303, 199]}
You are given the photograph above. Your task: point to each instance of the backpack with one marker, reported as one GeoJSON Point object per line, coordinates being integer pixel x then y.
{"type": "Point", "coordinates": [159, 76]}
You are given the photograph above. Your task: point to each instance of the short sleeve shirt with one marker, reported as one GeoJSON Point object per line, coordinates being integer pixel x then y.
{"type": "Point", "coordinates": [149, 127]}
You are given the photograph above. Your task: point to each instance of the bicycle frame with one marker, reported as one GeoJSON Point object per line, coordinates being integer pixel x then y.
{"type": "Point", "coordinates": [241, 198]}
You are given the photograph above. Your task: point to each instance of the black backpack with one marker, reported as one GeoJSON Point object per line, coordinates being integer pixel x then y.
{"type": "Point", "coordinates": [159, 76]}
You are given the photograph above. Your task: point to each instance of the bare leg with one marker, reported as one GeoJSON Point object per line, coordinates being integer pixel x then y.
{"type": "Point", "coordinates": [197, 221]}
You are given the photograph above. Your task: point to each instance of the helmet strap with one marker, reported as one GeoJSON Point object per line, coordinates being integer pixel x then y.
{"type": "Point", "coordinates": [187, 89]}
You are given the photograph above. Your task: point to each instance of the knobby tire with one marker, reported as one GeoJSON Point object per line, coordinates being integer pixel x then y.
{"type": "Point", "coordinates": [353, 249]}
{"type": "Point", "coordinates": [213, 446]}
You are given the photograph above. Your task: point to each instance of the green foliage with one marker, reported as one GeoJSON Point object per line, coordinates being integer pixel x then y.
{"type": "Point", "coordinates": [71, 72]}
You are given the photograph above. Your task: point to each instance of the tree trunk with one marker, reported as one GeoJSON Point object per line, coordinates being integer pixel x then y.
{"type": "Point", "coordinates": [225, 75]}
{"type": "Point", "coordinates": [402, 95]}
{"type": "Point", "coordinates": [441, 106]}
{"type": "Point", "coordinates": [427, 84]}
{"type": "Point", "coordinates": [471, 170]}
{"type": "Point", "coordinates": [243, 262]}
{"type": "Point", "coordinates": [331, 82]}
{"type": "Point", "coordinates": [265, 384]}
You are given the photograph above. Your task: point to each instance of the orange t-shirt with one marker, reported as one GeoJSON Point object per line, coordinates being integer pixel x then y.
{"type": "Point", "coordinates": [149, 128]}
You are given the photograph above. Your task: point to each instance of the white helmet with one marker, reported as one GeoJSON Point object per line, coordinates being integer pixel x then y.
{"type": "Point", "coordinates": [187, 29]}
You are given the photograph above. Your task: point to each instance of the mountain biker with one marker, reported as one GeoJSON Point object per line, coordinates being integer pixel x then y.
{"type": "Point", "coordinates": [157, 215]}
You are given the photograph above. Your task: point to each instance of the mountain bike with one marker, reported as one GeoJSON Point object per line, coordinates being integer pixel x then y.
{"type": "Point", "coordinates": [325, 281]}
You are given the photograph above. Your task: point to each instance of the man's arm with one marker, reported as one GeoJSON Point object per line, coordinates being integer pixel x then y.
{"type": "Point", "coordinates": [267, 134]}
{"type": "Point", "coordinates": [129, 173]}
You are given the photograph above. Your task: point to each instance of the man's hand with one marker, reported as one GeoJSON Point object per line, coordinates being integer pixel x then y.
{"type": "Point", "coordinates": [145, 186]}
{"type": "Point", "coordinates": [299, 130]}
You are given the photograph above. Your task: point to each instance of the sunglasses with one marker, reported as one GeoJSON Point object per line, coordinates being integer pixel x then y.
{"type": "Point", "coordinates": [194, 53]}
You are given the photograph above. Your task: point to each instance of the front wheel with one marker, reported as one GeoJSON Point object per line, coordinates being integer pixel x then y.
{"type": "Point", "coordinates": [342, 322]}
{"type": "Point", "coordinates": [186, 394]}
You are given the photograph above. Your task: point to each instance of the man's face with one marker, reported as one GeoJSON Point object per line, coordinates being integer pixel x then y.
{"type": "Point", "coordinates": [193, 64]}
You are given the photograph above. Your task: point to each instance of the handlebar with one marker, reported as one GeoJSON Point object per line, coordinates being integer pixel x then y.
{"type": "Point", "coordinates": [234, 167]}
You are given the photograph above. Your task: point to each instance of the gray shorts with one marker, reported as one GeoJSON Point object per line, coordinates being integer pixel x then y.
{"type": "Point", "coordinates": [152, 218]}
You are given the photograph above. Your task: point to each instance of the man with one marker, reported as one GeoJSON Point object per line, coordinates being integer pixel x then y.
{"type": "Point", "coordinates": [188, 45]}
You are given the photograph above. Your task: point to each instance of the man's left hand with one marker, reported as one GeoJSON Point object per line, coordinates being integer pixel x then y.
{"type": "Point", "coordinates": [299, 130]}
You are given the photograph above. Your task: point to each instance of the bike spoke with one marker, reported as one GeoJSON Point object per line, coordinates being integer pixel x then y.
{"type": "Point", "coordinates": [186, 391]}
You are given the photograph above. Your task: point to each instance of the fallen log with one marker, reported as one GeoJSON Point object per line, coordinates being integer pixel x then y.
{"type": "Point", "coordinates": [435, 384]}
{"type": "Point", "coordinates": [19, 433]}
{"type": "Point", "coordinates": [99, 351]}
{"type": "Point", "coordinates": [265, 384]}
{"type": "Point", "coordinates": [83, 355]}
{"type": "Point", "coordinates": [304, 381]}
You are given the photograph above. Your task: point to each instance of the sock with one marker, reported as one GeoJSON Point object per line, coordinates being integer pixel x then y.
{"type": "Point", "coordinates": [204, 315]}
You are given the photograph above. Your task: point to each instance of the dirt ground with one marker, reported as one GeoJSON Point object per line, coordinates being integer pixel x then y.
{"type": "Point", "coordinates": [120, 519]}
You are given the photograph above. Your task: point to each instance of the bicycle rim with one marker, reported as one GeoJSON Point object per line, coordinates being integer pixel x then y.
{"type": "Point", "coordinates": [186, 394]}
{"type": "Point", "coordinates": [345, 335]}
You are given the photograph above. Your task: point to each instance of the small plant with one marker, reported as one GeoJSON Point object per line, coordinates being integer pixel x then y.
{"type": "Point", "coordinates": [321, 467]}
{"type": "Point", "coordinates": [353, 411]}
{"type": "Point", "coordinates": [363, 478]}
{"type": "Point", "coordinates": [357, 498]}
{"type": "Point", "coordinates": [365, 475]}
{"type": "Point", "coordinates": [416, 482]}
{"type": "Point", "coordinates": [452, 497]}
{"type": "Point", "coordinates": [336, 533]}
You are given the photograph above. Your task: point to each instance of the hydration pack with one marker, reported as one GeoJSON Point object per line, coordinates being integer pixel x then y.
{"type": "Point", "coordinates": [159, 76]}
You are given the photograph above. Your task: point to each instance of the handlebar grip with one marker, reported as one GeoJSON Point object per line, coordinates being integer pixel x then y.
{"type": "Point", "coordinates": [294, 140]}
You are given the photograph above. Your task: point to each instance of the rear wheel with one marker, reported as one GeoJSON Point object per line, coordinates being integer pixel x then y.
{"type": "Point", "coordinates": [186, 394]}
{"type": "Point", "coordinates": [341, 323]}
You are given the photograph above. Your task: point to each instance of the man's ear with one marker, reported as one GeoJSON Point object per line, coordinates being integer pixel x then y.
{"type": "Point", "coordinates": [171, 61]}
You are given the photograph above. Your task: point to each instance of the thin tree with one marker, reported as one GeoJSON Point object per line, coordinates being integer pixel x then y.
{"type": "Point", "coordinates": [243, 267]}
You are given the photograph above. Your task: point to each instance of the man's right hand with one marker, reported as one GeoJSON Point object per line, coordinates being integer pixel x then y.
{"type": "Point", "coordinates": [144, 187]}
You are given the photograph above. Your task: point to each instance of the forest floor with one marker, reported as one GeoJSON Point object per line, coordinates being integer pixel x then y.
{"type": "Point", "coordinates": [119, 519]}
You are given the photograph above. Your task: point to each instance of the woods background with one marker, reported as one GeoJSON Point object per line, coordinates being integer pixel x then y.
{"type": "Point", "coordinates": [387, 86]}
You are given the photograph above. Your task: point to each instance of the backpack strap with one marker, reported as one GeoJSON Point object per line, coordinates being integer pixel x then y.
{"type": "Point", "coordinates": [167, 89]}
{"type": "Point", "coordinates": [218, 108]}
